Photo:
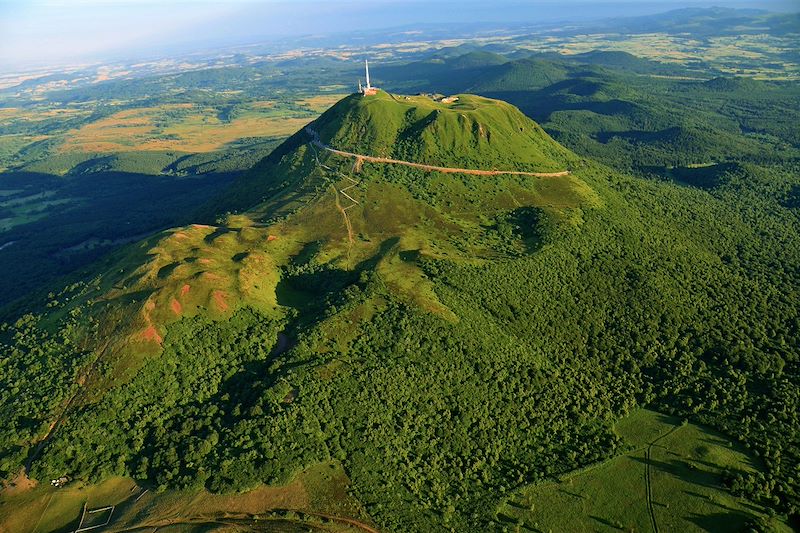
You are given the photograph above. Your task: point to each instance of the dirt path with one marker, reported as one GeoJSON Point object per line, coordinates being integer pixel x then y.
{"type": "Point", "coordinates": [648, 478]}
{"type": "Point", "coordinates": [649, 490]}
{"type": "Point", "coordinates": [337, 192]}
{"type": "Point", "coordinates": [46, 507]}
{"type": "Point", "coordinates": [347, 223]}
{"type": "Point", "coordinates": [239, 520]}
{"type": "Point", "coordinates": [360, 158]}
{"type": "Point", "coordinates": [351, 521]}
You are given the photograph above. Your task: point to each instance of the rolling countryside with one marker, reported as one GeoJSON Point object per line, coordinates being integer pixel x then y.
{"type": "Point", "coordinates": [462, 277]}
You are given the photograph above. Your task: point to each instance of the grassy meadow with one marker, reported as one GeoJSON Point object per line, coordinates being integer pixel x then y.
{"type": "Point", "coordinates": [316, 499]}
{"type": "Point", "coordinates": [670, 479]}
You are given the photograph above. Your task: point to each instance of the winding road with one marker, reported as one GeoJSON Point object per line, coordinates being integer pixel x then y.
{"type": "Point", "coordinates": [431, 168]}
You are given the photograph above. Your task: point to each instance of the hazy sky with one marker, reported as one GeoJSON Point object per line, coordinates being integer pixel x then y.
{"type": "Point", "coordinates": [39, 32]}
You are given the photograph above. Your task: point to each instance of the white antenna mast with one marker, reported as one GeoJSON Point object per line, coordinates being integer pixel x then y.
{"type": "Point", "coordinates": [366, 90]}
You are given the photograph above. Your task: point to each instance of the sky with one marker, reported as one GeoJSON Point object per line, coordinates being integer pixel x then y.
{"type": "Point", "coordinates": [50, 32]}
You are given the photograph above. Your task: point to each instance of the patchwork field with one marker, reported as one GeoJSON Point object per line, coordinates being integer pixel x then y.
{"type": "Point", "coordinates": [757, 56]}
{"type": "Point", "coordinates": [73, 132]}
{"type": "Point", "coordinates": [670, 480]}
{"type": "Point", "coordinates": [183, 128]}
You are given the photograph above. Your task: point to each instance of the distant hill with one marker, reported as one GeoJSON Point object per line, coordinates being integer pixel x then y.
{"type": "Point", "coordinates": [522, 74]}
{"type": "Point", "coordinates": [474, 59]}
{"type": "Point", "coordinates": [730, 85]}
{"type": "Point", "coordinates": [625, 61]}
{"type": "Point", "coordinates": [702, 22]}
{"type": "Point", "coordinates": [448, 70]}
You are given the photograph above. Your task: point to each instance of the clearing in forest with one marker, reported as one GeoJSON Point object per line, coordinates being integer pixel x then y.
{"type": "Point", "coordinates": [670, 480]}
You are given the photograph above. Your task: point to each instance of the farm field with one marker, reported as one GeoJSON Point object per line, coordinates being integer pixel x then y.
{"type": "Point", "coordinates": [184, 128]}
{"type": "Point", "coordinates": [756, 56]}
{"type": "Point", "coordinates": [671, 479]}
{"type": "Point", "coordinates": [171, 127]}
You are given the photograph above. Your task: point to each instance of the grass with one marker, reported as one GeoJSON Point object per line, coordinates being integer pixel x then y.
{"type": "Point", "coordinates": [47, 509]}
{"type": "Point", "coordinates": [11, 144]}
{"type": "Point", "coordinates": [47, 131]}
{"type": "Point", "coordinates": [685, 462]}
{"type": "Point", "coordinates": [196, 269]}
{"type": "Point", "coordinates": [11, 115]}
{"type": "Point", "coordinates": [322, 488]}
{"type": "Point", "coordinates": [474, 132]}
{"type": "Point", "coordinates": [26, 209]}
{"type": "Point", "coordinates": [320, 103]}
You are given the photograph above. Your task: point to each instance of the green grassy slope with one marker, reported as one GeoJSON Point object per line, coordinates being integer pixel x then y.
{"type": "Point", "coordinates": [672, 476]}
{"type": "Point", "coordinates": [473, 132]}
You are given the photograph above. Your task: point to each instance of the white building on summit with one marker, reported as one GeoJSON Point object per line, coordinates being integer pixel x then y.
{"type": "Point", "coordinates": [367, 89]}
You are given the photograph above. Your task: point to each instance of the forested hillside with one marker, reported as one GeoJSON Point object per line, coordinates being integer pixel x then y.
{"type": "Point", "coordinates": [477, 335]}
